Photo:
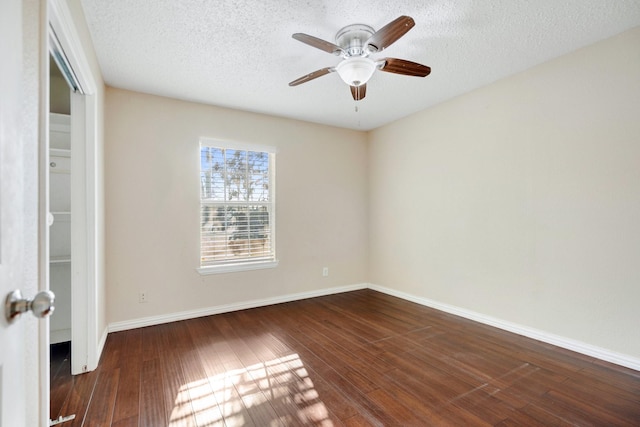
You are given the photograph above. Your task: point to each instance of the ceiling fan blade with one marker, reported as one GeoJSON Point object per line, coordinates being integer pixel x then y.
{"type": "Point", "coordinates": [359, 92]}
{"type": "Point", "coordinates": [385, 36]}
{"type": "Point", "coordinates": [313, 75]}
{"type": "Point", "coordinates": [318, 43]}
{"type": "Point", "coordinates": [402, 66]}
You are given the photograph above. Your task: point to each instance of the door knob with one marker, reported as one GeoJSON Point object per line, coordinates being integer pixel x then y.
{"type": "Point", "coordinates": [42, 305]}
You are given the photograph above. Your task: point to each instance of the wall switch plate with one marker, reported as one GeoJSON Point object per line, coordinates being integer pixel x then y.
{"type": "Point", "coordinates": [142, 297]}
{"type": "Point", "coordinates": [325, 271]}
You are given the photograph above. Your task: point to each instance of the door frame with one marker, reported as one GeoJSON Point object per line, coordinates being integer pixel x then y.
{"type": "Point", "coordinates": [85, 345]}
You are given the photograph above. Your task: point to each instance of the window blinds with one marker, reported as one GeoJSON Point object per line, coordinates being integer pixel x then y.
{"type": "Point", "coordinates": [237, 221]}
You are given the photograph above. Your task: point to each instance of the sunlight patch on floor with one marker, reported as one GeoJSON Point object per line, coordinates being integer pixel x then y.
{"type": "Point", "coordinates": [248, 395]}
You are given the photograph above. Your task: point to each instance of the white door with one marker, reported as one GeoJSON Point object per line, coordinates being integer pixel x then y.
{"type": "Point", "coordinates": [20, 399]}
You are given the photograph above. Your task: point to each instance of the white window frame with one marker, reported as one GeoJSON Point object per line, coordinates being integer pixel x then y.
{"type": "Point", "coordinates": [243, 265]}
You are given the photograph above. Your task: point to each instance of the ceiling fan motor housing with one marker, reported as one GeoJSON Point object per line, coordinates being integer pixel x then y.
{"type": "Point", "coordinates": [352, 39]}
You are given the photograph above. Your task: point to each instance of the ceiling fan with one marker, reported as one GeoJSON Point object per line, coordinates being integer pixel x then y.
{"type": "Point", "coordinates": [354, 43]}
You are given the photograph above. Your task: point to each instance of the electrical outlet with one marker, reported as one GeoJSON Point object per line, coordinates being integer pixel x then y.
{"type": "Point", "coordinates": [325, 271]}
{"type": "Point", "coordinates": [143, 296]}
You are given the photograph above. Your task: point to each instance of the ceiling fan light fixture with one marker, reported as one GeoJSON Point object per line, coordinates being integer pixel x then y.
{"type": "Point", "coordinates": [356, 71]}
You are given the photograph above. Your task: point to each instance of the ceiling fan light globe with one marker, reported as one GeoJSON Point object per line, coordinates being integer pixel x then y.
{"type": "Point", "coordinates": [356, 71]}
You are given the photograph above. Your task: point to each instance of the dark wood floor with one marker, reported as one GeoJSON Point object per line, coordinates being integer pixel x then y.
{"type": "Point", "coordinates": [355, 359]}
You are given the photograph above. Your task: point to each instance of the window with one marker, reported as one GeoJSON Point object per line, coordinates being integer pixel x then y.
{"type": "Point", "coordinates": [237, 221]}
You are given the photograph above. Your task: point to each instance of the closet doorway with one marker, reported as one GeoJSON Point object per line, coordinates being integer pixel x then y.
{"type": "Point", "coordinates": [86, 197]}
{"type": "Point", "coordinates": [60, 265]}
{"type": "Point", "coordinates": [83, 158]}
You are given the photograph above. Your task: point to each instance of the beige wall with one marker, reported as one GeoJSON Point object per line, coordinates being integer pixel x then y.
{"type": "Point", "coordinates": [152, 196]}
{"type": "Point", "coordinates": [521, 200]}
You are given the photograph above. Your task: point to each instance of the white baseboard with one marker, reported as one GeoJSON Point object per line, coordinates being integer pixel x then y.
{"type": "Point", "coordinates": [191, 314]}
{"type": "Point", "coordinates": [569, 344]}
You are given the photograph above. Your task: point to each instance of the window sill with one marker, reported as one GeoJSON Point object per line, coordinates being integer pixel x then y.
{"type": "Point", "coordinates": [230, 268]}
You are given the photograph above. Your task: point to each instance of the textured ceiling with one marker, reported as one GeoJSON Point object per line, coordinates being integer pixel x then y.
{"type": "Point", "coordinates": [240, 53]}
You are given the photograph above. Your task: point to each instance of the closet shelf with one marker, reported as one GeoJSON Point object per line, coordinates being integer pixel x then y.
{"type": "Point", "coordinates": [60, 259]}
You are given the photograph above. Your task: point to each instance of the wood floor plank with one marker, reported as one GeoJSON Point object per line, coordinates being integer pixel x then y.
{"type": "Point", "coordinates": [586, 410]}
{"type": "Point", "coordinates": [534, 416]}
{"type": "Point", "coordinates": [79, 397]}
{"type": "Point", "coordinates": [317, 402]}
{"type": "Point", "coordinates": [198, 389]}
{"type": "Point", "coordinates": [611, 377]}
{"type": "Point", "coordinates": [615, 398]}
{"type": "Point", "coordinates": [127, 422]}
{"type": "Point", "coordinates": [152, 410]}
{"type": "Point", "coordinates": [176, 400]}
{"type": "Point", "coordinates": [394, 407]}
{"type": "Point", "coordinates": [339, 358]}
{"type": "Point", "coordinates": [151, 343]}
{"type": "Point", "coordinates": [530, 387]}
{"type": "Point", "coordinates": [113, 349]}
{"type": "Point", "coordinates": [268, 390]}
{"type": "Point", "coordinates": [360, 358]}
{"type": "Point", "coordinates": [482, 403]}
{"type": "Point", "coordinates": [224, 390]}
{"type": "Point", "coordinates": [100, 411]}
{"type": "Point", "coordinates": [251, 396]}
{"type": "Point", "coordinates": [360, 421]}
{"type": "Point", "coordinates": [347, 397]}
{"type": "Point", "coordinates": [288, 373]}
{"type": "Point", "coordinates": [317, 371]}
{"type": "Point", "coordinates": [130, 367]}
{"type": "Point", "coordinates": [441, 383]}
